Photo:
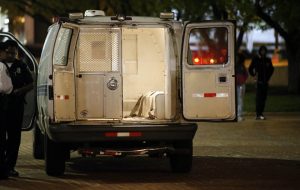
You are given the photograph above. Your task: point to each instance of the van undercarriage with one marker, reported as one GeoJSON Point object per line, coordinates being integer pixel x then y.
{"type": "Point", "coordinates": [173, 140]}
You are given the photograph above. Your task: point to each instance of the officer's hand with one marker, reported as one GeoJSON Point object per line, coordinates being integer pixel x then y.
{"type": "Point", "coordinates": [17, 92]}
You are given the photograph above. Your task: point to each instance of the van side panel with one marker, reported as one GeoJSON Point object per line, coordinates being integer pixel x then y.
{"type": "Point", "coordinates": [45, 105]}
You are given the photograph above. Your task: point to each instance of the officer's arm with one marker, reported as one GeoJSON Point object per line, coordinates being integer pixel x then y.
{"type": "Point", "coordinates": [24, 89]}
{"type": "Point", "coordinates": [28, 80]}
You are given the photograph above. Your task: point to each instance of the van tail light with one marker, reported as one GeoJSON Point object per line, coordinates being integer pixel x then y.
{"type": "Point", "coordinates": [123, 134]}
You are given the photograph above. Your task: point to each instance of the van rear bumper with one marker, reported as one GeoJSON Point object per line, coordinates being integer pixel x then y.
{"type": "Point", "coordinates": [130, 132]}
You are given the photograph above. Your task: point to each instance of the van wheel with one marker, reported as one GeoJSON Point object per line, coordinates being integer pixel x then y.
{"type": "Point", "coordinates": [38, 143]}
{"type": "Point", "coordinates": [55, 154]}
{"type": "Point", "coordinates": [181, 162]}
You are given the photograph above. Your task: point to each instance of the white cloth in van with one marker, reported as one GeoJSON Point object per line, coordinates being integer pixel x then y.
{"type": "Point", "coordinates": [148, 106]}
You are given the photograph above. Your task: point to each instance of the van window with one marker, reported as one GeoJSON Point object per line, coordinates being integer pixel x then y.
{"type": "Point", "coordinates": [62, 46]}
{"type": "Point", "coordinates": [208, 46]}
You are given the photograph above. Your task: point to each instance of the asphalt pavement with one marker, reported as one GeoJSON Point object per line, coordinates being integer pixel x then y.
{"type": "Point", "coordinates": [277, 137]}
{"type": "Point", "coordinates": [233, 155]}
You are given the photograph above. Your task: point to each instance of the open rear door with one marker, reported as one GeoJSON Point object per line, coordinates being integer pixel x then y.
{"type": "Point", "coordinates": [208, 76]}
{"type": "Point", "coordinates": [30, 98]}
{"type": "Point", "coordinates": [63, 75]}
{"type": "Point", "coordinates": [98, 74]}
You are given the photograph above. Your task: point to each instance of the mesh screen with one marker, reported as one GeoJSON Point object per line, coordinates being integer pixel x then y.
{"type": "Point", "coordinates": [99, 50]}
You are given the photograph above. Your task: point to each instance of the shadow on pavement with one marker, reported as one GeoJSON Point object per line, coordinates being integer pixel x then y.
{"type": "Point", "coordinates": [148, 173]}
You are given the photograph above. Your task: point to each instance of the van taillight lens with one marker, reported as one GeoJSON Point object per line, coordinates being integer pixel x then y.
{"type": "Point", "coordinates": [123, 134]}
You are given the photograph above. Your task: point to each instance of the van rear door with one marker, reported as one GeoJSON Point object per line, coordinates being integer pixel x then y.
{"type": "Point", "coordinates": [63, 75]}
{"type": "Point", "coordinates": [208, 75]}
{"type": "Point", "coordinates": [98, 74]}
{"type": "Point", "coordinates": [30, 99]}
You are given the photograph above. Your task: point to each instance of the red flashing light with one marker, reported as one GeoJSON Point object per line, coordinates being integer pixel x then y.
{"type": "Point", "coordinates": [196, 60]}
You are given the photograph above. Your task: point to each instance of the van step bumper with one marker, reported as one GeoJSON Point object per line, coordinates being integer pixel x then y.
{"type": "Point", "coordinates": [136, 132]}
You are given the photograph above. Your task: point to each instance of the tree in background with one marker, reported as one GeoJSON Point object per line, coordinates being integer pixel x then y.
{"type": "Point", "coordinates": [283, 16]}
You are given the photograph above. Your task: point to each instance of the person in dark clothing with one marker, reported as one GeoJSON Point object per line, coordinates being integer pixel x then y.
{"type": "Point", "coordinates": [22, 82]}
{"type": "Point", "coordinates": [261, 67]}
{"type": "Point", "coordinates": [3, 66]}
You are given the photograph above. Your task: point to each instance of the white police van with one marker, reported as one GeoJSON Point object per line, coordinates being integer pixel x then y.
{"type": "Point", "coordinates": [131, 86]}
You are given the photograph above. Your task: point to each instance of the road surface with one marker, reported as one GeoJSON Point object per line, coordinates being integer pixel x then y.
{"type": "Point", "coordinates": [246, 155]}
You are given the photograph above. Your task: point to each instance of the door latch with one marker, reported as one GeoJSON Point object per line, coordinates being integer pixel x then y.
{"type": "Point", "coordinates": [112, 84]}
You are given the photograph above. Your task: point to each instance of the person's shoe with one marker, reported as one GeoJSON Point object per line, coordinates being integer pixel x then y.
{"type": "Point", "coordinates": [13, 173]}
{"type": "Point", "coordinates": [260, 117]}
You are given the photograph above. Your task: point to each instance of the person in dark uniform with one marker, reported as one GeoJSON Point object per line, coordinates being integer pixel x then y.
{"type": "Point", "coordinates": [261, 67]}
{"type": "Point", "coordinates": [3, 93]}
{"type": "Point", "coordinates": [22, 82]}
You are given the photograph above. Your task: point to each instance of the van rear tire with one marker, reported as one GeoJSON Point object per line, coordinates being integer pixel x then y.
{"type": "Point", "coordinates": [182, 161]}
{"type": "Point", "coordinates": [38, 143]}
{"type": "Point", "coordinates": [55, 157]}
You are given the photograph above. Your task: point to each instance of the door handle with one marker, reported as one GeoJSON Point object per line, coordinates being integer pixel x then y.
{"type": "Point", "coordinates": [79, 76]}
{"type": "Point", "coordinates": [222, 79]}
{"type": "Point", "coordinates": [112, 84]}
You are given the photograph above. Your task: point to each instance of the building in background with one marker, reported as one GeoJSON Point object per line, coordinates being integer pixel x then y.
{"type": "Point", "coordinates": [28, 30]}
{"type": "Point", "coordinates": [4, 21]}
{"type": "Point", "coordinates": [21, 26]}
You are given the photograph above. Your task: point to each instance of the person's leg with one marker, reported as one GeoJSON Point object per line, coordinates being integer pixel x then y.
{"type": "Point", "coordinates": [264, 97]}
{"type": "Point", "coordinates": [243, 91]}
{"type": "Point", "coordinates": [239, 102]}
{"type": "Point", "coordinates": [3, 169]}
{"type": "Point", "coordinates": [14, 135]}
{"type": "Point", "coordinates": [259, 100]}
